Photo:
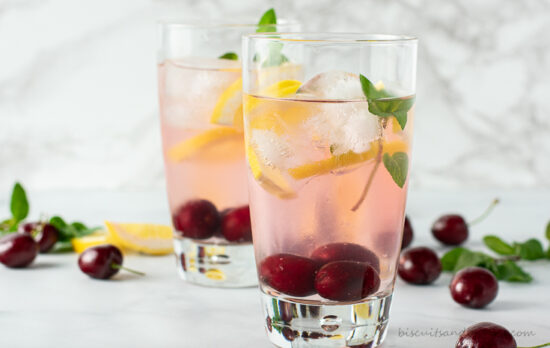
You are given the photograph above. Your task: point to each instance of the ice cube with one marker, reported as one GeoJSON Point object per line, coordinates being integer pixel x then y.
{"type": "Point", "coordinates": [189, 93]}
{"type": "Point", "coordinates": [344, 127]}
{"type": "Point", "coordinates": [338, 85]}
{"type": "Point", "coordinates": [275, 150]}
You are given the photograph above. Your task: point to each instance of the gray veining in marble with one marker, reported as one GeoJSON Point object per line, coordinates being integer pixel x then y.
{"type": "Point", "coordinates": [78, 103]}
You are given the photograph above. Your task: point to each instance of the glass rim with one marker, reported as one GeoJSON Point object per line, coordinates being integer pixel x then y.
{"type": "Point", "coordinates": [218, 23]}
{"type": "Point", "coordinates": [333, 37]}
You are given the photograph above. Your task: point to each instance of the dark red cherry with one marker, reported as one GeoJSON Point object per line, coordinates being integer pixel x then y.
{"type": "Point", "coordinates": [407, 234]}
{"type": "Point", "coordinates": [474, 287]}
{"type": "Point", "coordinates": [346, 281]}
{"type": "Point", "coordinates": [27, 227]}
{"type": "Point", "coordinates": [290, 274]}
{"type": "Point", "coordinates": [235, 225]}
{"type": "Point", "coordinates": [44, 234]}
{"type": "Point", "coordinates": [486, 335]}
{"type": "Point", "coordinates": [100, 262]}
{"type": "Point", "coordinates": [18, 250]}
{"type": "Point", "coordinates": [419, 265]}
{"type": "Point", "coordinates": [198, 219]}
{"type": "Point", "coordinates": [345, 252]}
{"type": "Point", "coordinates": [450, 229]}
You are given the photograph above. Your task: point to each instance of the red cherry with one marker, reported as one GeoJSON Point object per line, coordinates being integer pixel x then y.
{"type": "Point", "coordinates": [198, 219]}
{"type": "Point", "coordinates": [486, 335]}
{"type": "Point", "coordinates": [236, 225]}
{"type": "Point", "coordinates": [17, 250]}
{"type": "Point", "coordinates": [102, 262]}
{"type": "Point", "coordinates": [290, 274]}
{"type": "Point", "coordinates": [474, 287]}
{"type": "Point", "coordinates": [407, 234]}
{"type": "Point", "coordinates": [44, 234]}
{"type": "Point", "coordinates": [419, 265]}
{"type": "Point", "coordinates": [450, 229]}
{"type": "Point", "coordinates": [345, 252]}
{"type": "Point", "coordinates": [346, 281]}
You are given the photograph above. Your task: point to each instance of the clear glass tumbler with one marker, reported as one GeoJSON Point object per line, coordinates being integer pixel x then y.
{"type": "Point", "coordinates": [328, 143]}
{"type": "Point", "coordinates": [200, 93]}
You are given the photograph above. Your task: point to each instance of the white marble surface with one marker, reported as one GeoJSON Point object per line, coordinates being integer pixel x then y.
{"type": "Point", "coordinates": [52, 304]}
{"type": "Point", "coordinates": [78, 104]}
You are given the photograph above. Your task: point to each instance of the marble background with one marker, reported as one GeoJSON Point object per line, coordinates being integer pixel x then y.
{"type": "Point", "coordinates": [78, 104]}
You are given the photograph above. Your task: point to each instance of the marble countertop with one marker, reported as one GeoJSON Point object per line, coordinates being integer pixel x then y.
{"type": "Point", "coordinates": [52, 304]}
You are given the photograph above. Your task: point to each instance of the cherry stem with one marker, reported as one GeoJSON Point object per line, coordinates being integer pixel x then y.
{"type": "Point", "coordinates": [539, 346]}
{"type": "Point", "coordinates": [485, 213]}
{"type": "Point", "coordinates": [117, 266]}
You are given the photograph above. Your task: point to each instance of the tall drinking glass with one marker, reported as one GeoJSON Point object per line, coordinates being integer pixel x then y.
{"type": "Point", "coordinates": [201, 120]}
{"type": "Point", "coordinates": [328, 153]}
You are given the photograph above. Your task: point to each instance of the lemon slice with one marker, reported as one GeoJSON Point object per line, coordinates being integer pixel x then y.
{"type": "Point", "coordinates": [215, 274]}
{"type": "Point", "coordinates": [271, 179]}
{"type": "Point", "coordinates": [91, 240]}
{"type": "Point", "coordinates": [280, 120]}
{"type": "Point", "coordinates": [210, 138]}
{"type": "Point", "coordinates": [280, 89]}
{"type": "Point", "coordinates": [146, 238]}
{"type": "Point", "coordinates": [229, 108]}
{"type": "Point", "coordinates": [345, 160]}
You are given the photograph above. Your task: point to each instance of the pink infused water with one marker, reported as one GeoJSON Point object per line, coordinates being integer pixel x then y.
{"type": "Point", "coordinates": [205, 168]}
{"type": "Point", "coordinates": [317, 240]}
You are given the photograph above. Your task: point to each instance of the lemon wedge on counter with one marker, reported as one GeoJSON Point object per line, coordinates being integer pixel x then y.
{"type": "Point", "coordinates": [97, 238]}
{"type": "Point", "coordinates": [145, 238]}
{"type": "Point", "coordinates": [345, 160]}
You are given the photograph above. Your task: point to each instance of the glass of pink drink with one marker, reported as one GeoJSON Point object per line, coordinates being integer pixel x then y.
{"type": "Point", "coordinates": [328, 153]}
{"type": "Point", "coordinates": [200, 95]}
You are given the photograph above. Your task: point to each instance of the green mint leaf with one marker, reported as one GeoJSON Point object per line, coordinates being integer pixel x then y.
{"type": "Point", "coordinates": [79, 226]}
{"type": "Point", "coordinates": [230, 56]}
{"type": "Point", "coordinates": [19, 205]}
{"type": "Point", "coordinates": [498, 245]}
{"type": "Point", "coordinates": [268, 22]}
{"type": "Point", "coordinates": [450, 258]}
{"type": "Point", "coordinates": [62, 247]}
{"type": "Point", "coordinates": [383, 104]}
{"type": "Point", "coordinates": [371, 92]}
{"type": "Point", "coordinates": [530, 250]}
{"type": "Point", "coordinates": [401, 117]}
{"type": "Point", "coordinates": [65, 231]}
{"type": "Point", "coordinates": [511, 272]}
{"type": "Point", "coordinates": [548, 231]}
{"type": "Point", "coordinates": [471, 259]}
{"type": "Point", "coordinates": [398, 167]}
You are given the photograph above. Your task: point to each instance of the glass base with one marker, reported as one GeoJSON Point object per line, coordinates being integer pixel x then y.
{"type": "Point", "coordinates": [301, 325]}
{"type": "Point", "coordinates": [216, 265]}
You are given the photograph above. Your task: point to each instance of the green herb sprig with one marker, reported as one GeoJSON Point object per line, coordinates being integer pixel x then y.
{"type": "Point", "coordinates": [19, 207]}
{"type": "Point", "coordinates": [267, 24]}
{"type": "Point", "coordinates": [384, 105]}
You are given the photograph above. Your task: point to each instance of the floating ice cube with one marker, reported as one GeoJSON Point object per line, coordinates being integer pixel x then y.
{"type": "Point", "coordinates": [344, 127]}
{"type": "Point", "coordinates": [338, 85]}
{"type": "Point", "coordinates": [189, 89]}
{"type": "Point", "coordinates": [275, 150]}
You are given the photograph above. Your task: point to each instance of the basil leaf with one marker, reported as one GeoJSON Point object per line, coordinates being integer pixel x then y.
{"type": "Point", "coordinates": [450, 258]}
{"type": "Point", "coordinates": [548, 231]}
{"type": "Point", "coordinates": [398, 167]}
{"type": "Point", "coordinates": [530, 250]}
{"type": "Point", "coordinates": [268, 22]}
{"type": "Point", "coordinates": [229, 56]}
{"type": "Point", "coordinates": [498, 245]}
{"type": "Point", "coordinates": [19, 205]}
{"type": "Point", "coordinates": [511, 272]}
